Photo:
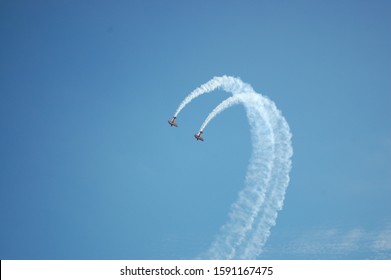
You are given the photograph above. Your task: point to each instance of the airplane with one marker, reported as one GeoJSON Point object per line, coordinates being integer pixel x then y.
{"type": "Point", "coordinates": [198, 136]}
{"type": "Point", "coordinates": [172, 122]}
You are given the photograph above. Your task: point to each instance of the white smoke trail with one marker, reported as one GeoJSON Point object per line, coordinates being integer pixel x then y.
{"type": "Point", "coordinates": [279, 180]}
{"type": "Point", "coordinates": [207, 87]}
{"type": "Point", "coordinates": [230, 101]}
{"type": "Point", "coordinates": [245, 210]}
{"type": "Point", "coordinates": [227, 83]}
{"type": "Point", "coordinates": [255, 211]}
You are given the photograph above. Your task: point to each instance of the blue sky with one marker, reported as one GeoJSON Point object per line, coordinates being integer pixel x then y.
{"type": "Point", "coordinates": [90, 168]}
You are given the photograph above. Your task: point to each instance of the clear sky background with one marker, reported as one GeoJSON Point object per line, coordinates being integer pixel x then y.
{"type": "Point", "coordinates": [90, 169]}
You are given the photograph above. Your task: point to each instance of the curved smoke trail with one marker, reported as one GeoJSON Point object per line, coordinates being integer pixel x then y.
{"type": "Point", "coordinates": [207, 87]}
{"type": "Point", "coordinates": [245, 210]}
{"type": "Point", "coordinates": [267, 178]}
{"type": "Point", "coordinates": [227, 83]}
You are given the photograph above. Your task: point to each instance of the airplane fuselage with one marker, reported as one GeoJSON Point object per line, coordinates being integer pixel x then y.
{"type": "Point", "coordinates": [198, 136]}
{"type": "Point", "coordinates": [172, 122]}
